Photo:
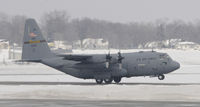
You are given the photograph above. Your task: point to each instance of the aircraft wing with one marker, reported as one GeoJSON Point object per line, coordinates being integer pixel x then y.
{"type": "Point", "coordinates": [82, 58]}
{"type": "Point", "coordinates": [87, 58]}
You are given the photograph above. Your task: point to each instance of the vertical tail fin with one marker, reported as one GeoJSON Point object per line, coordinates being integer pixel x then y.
{"type": "Point", "coordinates": [35, 46]}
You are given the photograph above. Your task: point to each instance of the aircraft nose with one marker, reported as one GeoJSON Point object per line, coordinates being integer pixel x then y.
{"type": "Point", "coordinates": [176, 65]}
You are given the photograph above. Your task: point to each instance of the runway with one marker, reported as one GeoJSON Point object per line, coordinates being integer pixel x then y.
{"type": "Point", "coordinates": [91, 83]}
{"type": "Point", "coordinates": [82, 103]}
{"type": "Point", "coordinates": [41, 86]}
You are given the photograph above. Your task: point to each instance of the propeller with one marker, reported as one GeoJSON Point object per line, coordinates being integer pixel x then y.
{"type": "Point", "coordinates": [108, 59]}
{"type": "Point", "coordinates": [120, 58]}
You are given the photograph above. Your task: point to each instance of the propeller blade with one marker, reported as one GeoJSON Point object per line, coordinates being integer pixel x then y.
{"type": "Point", "coordinates": [108, 59]}
{"type": "Point", "coordinates": [120, 58]}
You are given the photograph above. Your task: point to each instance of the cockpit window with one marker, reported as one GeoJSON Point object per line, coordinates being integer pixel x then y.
{"type": "Point", "coordinates": [164, 56]}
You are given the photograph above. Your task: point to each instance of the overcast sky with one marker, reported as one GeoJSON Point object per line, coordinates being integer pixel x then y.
{"type": "Point", "coordinates": [112, 10]}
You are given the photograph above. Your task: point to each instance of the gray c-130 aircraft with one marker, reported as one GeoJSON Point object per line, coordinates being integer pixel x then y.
{"type": "Point", "coordinates": [101, 67]}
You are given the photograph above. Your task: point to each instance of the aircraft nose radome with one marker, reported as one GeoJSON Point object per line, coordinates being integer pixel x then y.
{"type": "Point", "coordinates": [176, 65]}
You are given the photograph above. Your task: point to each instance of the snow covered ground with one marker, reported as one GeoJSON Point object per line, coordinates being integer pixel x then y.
{"type": "Point", "coordinates": [181, 85]}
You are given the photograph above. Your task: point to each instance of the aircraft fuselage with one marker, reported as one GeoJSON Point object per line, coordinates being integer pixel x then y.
{"type": "Point", "coordinates": [135, 64]}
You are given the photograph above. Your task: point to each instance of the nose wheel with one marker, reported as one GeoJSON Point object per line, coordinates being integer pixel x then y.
{"type": "Point", "coordinates": [161, 77]}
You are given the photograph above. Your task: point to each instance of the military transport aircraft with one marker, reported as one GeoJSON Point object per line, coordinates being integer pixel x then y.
{"type": "Point", "coordinates": [102, 67]}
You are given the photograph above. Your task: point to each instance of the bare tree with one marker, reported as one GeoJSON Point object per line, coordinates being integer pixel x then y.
{"type": "Point", "coordinates": [55, 24]}
{"type": "Point", "coordinates": [17, 29]}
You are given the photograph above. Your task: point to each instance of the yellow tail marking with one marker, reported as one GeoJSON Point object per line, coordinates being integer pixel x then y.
{"type": "Point", "coordinates": [34, 41]}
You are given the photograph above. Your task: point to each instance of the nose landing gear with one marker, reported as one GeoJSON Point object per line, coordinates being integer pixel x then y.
{"type": "Point", "coordinates": [161, 77]}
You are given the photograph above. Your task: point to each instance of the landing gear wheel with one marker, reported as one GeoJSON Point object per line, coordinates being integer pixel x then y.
{"type": "Point", "coordinates": [117, 79]}
{"type": "Point", "coordinates": [99, 81]}
{"type": "Point", "coordinates": [161, 77]}
{"type": "Point", "coordinates": [108, 81]}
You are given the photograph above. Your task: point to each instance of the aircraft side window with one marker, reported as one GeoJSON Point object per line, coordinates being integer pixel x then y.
{"type": "Point", "coordinates": [165, 63]}
{"type": "Point", "coordinates": [162, 56]}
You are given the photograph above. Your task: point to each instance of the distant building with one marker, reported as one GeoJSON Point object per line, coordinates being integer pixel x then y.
{"type": "Point", "coordinates": [60, 46]}
{"type": "Point", "coordinates": [172, 43]}
{"type": "Point", "coordinates": [4, 44]}
{"type": "Point", "coordinates": [187, 45]}
{"type": "Point", "coordinates": [90, 43]}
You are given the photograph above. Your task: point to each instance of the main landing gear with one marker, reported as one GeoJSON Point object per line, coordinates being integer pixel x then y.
{"type": "Point", "coordinates": [161, 77]}
{"type": "Point", "coordinates": [108, 80]}
{"type": "Point", "coordinates": [117, 79]}
{"type": "Point", "coordinates": [99, 81]}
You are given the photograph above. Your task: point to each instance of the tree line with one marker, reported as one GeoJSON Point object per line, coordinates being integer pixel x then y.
{"type": "Point", "coordinates": [58, 25]}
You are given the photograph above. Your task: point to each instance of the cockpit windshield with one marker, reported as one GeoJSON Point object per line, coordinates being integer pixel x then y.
{"type": "Point", "coordinates": [164, 56]}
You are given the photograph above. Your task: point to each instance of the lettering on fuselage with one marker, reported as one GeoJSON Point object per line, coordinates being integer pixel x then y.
{"type": "Point", "coordinates": [145, 59]}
